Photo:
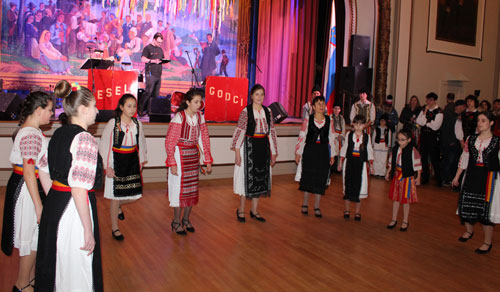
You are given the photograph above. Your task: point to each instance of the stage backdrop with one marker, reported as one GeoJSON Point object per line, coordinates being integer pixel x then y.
{"type": "Point", "coordinates": [43, 39]}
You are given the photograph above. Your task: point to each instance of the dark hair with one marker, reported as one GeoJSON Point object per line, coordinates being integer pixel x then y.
{"type": "Point", "coordinates": [158, 35]}
{"type": "Point", "coordinates": [359, 119]}
{"type": "Point", "coordinates": [474, 98]}
{"type": "Point", "coordinates": [460, 102]}
{"type": "Point", "coordinates": [209, 34]}
{"type": "Point", "coordinates": [405, 132]}
{"type": "Point", "coordinates": [432, 95]}
{"type": "Point", "coordinates": [488, 104]}
{"type": "Point", "coordinates": [317, 99]}
{"type": "Point", "coordinates": [489, 115]}
{"type": "Point", "coordinates": [450, 96]}
{"type": "Point", "coordinates": [121, 102]}
{"type": "Point", "coordinates": [33, 101]}
{"type": "Point", "coordinates": [384, 117]}
{"type": "Point", "coordinates": [496, 100]}
{"type": "Point", "coordinates": [316, 88]}
{"type": "Point", "coordinates": [189, 97]}
{"type": "Point", "coordinates": [62, 89]}
{"type": "Point", "coordinates": [257, 87]}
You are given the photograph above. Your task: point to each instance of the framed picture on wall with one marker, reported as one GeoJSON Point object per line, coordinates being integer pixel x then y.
{"type": "Point", "coordinates": [456, 27]}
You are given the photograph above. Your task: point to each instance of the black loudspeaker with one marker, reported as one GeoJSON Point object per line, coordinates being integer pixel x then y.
{"type": "Point", "coordinates": [353, 79]}
{"type": "Point", "coordinates": [10, 106]}
{"type": "Point", "coordinates": [360, 50]}
{"type": "Point", "coordinates": [279, 112]}
{"type": "Point", "coordinates": [159, 109]}
{"type": "Point", "coordinates": [104, 116]}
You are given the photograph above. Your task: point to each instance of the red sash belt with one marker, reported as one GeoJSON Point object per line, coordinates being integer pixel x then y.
{"type": "Point", "coordinates": [18, 169]}
{"type": "Point", "coordinates": [257, 135]}
{"type": "Point", "coordinates": [59, 186]}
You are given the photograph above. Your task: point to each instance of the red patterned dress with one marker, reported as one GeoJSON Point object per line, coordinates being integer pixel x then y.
{"type": "Point", "coordinates": [187, 138]}
{"type": "Point", "coordinates": [403, 189]}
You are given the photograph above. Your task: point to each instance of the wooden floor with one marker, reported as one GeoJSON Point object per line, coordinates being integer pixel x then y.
{"type": "Point", "coordinates": [290, 252]}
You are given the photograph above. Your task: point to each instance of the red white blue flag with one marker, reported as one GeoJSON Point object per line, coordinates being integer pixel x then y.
{"type": "Point", "coordinates": [329, 81]}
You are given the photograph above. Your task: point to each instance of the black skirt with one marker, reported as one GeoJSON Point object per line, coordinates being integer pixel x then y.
{"type": "Point", "coordinates": [257, 171]}
{"type": "Point", "coordinates": [353, 178]}
{"type": "Point", "coordinates": [315, 168]}
{"type": "Point", "coordinates": [128, 181]}
{"type": "Point", "coordinates": [473, 205]}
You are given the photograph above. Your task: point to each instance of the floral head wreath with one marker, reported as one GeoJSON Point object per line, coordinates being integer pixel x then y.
{"type": "Point", "coordinates": [75, 86]}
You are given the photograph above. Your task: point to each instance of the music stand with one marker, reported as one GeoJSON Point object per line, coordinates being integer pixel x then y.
{"type": "Point", "coordinates": [96, 64]}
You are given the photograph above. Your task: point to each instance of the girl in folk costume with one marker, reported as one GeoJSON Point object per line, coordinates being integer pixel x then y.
{"type": "Point", "coordinates": [123, 149]}
{"type": "Point", "coordinates": [339, 128]}
{"type": "Point", "coordinates": [403, 163]}
{"type": "Point", "coordinates": [69, 255]}
{"type": "Point", "coordinates": [24, 194]}
{"type": "Point", "coordinates": [479, 198]}
{"type": "Point", "coordinates": [382, 141]}
{"type": "Point", "coordinates": [314, 154]}
{"type": "Point", "coordinates": [256, 149]}
{"type": "Point", "coordinates": [357, 160]}
{"type": "Point", "coordinates": [187, 136]}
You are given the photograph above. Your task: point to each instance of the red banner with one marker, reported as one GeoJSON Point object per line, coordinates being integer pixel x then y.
{"type": "Point", "coordinates": [110, 85]}
{"type": "Point", "coordinates": [225, 98]}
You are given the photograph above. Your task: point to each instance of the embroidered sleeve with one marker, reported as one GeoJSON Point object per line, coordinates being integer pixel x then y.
{"type": "Point", "coordinates": [105, 144]}
{"type": "Point", "coordinates": [205, 142]}
{"type": "Point", "coordinates": [239, 132]}
{"type": "Point", "coordinates": [369, 150]}
{"type": "Point", "coordinates": [464, 158]}
{"type": "Point", "coordinates": [172, 139]}
{"type": "Point", "coordinates": [353, 112]}
{"type": "Point", "coordinates": [143, 148]}
{"type": "Point", "coordinates": [273, 140]}
{"type": "Point", "coordinates": [84, 150]}
{"type": "Point", "coordinates": [30, 146]}
{"type": "Point", "coordinates": [332, 140]}
{"type": "Point", "coordinates": [43, 163]}
{"type": "Point", "coordinates": [299, 147]}
{"type": "Point", "coordinates": [417, 164]}
{"type": "Point", "coordinates": [343, 151]}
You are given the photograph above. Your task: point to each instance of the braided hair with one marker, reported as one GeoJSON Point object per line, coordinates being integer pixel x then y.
{"type": "Point", "coordinates": [33, 101]}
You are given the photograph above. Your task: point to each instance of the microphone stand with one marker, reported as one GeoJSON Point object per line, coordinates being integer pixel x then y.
{"type": "Point", "coordinates": [92, 70]}
{"type": "Point", "coordinates": [193, 74]}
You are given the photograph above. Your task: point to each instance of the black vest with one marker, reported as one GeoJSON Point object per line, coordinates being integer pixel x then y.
{"type": "Point", "coordinates": [469, 123]}
{"type": "Point", "coordinates": [406, 160]}
{"type": "Point", "coordinates": [431, 116]}
{"type": "Point", "coordinates": [119, 134]}
{"type": "Point", "coordinates": [378, 134]}
{"type": "Point", "coordinates": [490, 153]}
{"type": "Point", "coordinates": [313, 131]}
{"type": "Point", "coordinates": [251, 120]}
{"type": "Point", "coordinates": [362, 151]}
{"type": "Point", "coordinates": [60, 157]}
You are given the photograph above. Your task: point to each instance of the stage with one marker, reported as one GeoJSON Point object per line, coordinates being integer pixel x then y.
{"type": "Point", "coordinates": [290, 252]}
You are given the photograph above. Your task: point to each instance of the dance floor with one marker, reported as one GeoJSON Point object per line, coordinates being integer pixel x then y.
{"type": "Point", "coordinates": [290, 252]}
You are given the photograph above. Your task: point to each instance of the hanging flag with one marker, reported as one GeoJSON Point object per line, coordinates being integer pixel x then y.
{"type": "Point", "coordinates": [329, 82]}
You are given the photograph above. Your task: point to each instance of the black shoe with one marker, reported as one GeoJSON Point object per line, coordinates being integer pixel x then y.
{"type": "Point", "coordinates": [257, 217]}
{"type": "Point", "coordinates": [117, 237]}
{"type": "Point", "coordinates": [403, 229]}
{"type": "Point", "coordinates": [15, 289]}
{"type": "Point", "coordinates": [188, 226]}
{"type": "Point", "coordinates": [391, 226]}
{"type": "Point", "coordinates": [317, 213]}
{"type": "Point", "coordinates": [484, 251]}
{"type": "Point", "coordinates": [464, 239]}
{"type": "Point", "coordinates": [304, 210]}
{"type": "Point", "coordinates": [357, 217]}
{"type": "Point", "coordinates": [175, 226]}
{"type": "Point", "coordinates": [346, 215]}
{"type": "Point", "coordinates": [241, 219]}
{"type": "Point", "coordinates": [121, 215]}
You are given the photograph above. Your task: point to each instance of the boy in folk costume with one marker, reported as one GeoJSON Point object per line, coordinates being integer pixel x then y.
{"type": "Point", "coordinates": [307, 109]}
{"type": "Point", "coordinates": [382, 141]}
{"type": "Point", "coordinates": [339, 129]}
{"type": "Point", "coordinates": [365, 108]}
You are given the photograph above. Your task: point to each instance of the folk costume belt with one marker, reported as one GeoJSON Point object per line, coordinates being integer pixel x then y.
{"type": "Point", "coordinates": [59, 186]}
{"type": "Point", "coordinates": [18, 169]}
{"type": "Point", "coordinates": [125, 149]}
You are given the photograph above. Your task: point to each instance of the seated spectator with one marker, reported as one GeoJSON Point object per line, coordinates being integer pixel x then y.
{"type": "Point", "coordinates": [57, 63]}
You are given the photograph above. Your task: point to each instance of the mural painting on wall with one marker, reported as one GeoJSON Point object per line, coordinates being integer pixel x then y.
{"type": "Point", "coordinates": [56, 37]}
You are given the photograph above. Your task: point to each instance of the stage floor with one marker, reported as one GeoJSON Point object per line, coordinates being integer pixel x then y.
{"type": "Point", "coordinates": [290, 252]}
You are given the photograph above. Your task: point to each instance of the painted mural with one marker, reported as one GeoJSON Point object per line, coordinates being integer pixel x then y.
{"type": "Point", "coordinates": [57, 37]}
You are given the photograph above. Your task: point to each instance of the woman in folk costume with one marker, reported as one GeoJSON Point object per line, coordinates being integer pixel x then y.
{"type": "Point", "coordinates": [314, 154]}
{"type": "Point", "coordinates": [479, 200]}
{"type": "Point", "coordinates": [403, 163]}
{"type": "Point", "coordinates": [256, 149]}
{"type": "Point", "coordinates": [187, 137]}
{"type": "Point", "coordinates": [382, 141]}
{"type": "Point", "coordinates": [357, 160]}
{"type": "Point", "coordinates": [123, 149]}
{"type": "Point", "coordinates": [69, 255]}
{"type": "Point", "coordinates": [24, 194]}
